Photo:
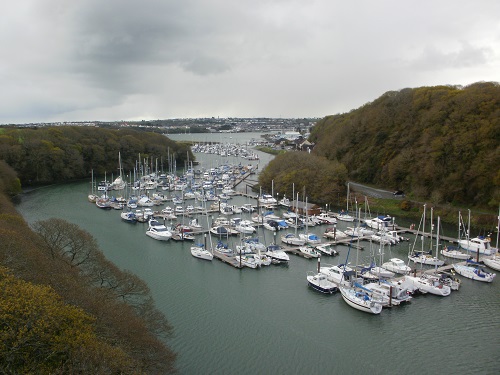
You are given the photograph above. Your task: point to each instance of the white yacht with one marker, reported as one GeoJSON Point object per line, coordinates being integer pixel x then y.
{"type": "Point", "coordinates": [426, 284]}
{"type": "Point", "coordinates": [277, 254]}
{"type": "Point", "coordinates": [327, 249]}
{"type": "Point", "coordinates": [158, 231]}
{"type": "Point", "coordinates": [339, 274]}
{"type": "Point", "coordinates": [389, 292]}
{"type": "Point", "coordinates": [267, 200]}
{"type": "Point", "coordinates": [310, 251]}
{"type": "Point", "coordinates": [478, 244]}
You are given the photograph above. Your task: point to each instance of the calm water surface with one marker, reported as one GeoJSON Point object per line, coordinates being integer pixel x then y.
{"type": "Point", "coordinates": [268, 321]}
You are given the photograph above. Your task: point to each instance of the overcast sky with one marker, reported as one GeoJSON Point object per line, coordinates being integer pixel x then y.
{"type": "Point", "coordinates": [82, 60]}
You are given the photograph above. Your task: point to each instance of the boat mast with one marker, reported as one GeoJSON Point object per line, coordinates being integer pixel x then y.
{"type": "Point", "coordinates": [437, 242]}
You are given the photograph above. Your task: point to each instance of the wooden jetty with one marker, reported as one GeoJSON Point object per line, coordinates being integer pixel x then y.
{"type": "Point", "coordinates": [227, 259]}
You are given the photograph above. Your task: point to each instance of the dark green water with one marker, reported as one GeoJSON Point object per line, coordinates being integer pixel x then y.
{"type": "Point", "coordinates": [268, 321]}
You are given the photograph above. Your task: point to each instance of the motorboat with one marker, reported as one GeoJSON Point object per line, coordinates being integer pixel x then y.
{"type": "Point", "coordinates": [310, 251]}
{"type": "Point", "coordinates": [247, 207]}
{"type": "Point", "coordinates": [128, 217]}
{"type": "Point", "coordinates": [358, 232]}
{"type": "Point", "coordinates": [249, 260]}
{"type": "Point", "coordinates": [474, 272]}
{"type": "Point", "coordinates": [425, 284]}
{"type": "Point", "coordinates": [290, 215]}
{"type": "Point", "coordinates": [478, 244]}
{"type": "Point", "coordinates": [277, 254]}
{"type": "Point", "coordinates": [267, 200]}
{"type": "Point", "coordinates": [339, 274]}
{"type": "Point", "coordinates": [390, 293]}
{"type": "Point", "coordinates": [158, 231]}
{"type": "Point", "coordinates": [360, 300]}
{"type": "Point", "coordinates": [285, 202]}
{"type": "Point", "coordinates": [397, 265]}
{"type": "Point", "coordinates": [199, 251]}
{"type": "Point", "coordinates": [292, 239]}
{"type": "Point", "coordinates": [254, 245]}
{"type": "Point", "coordinates": [245, 227]}
{"type": "Point", "coordinates": [195, 225]}
{"type": "Point", "coordinates": [423, 257]}
{"type": "Point", "coordinates": [344, 216]}
{"type": "Point", "coordinates": [222, 231]}
{"type": "Point", "coordinates": [380, 222]}
{"type": "Point", "coordinates": [327, 249]}
{"type": "Point", "coordinates": [179, 235]}
{"type": "Point", "coordinates": [320, 282]}
{"type": "Point", "coordinates": [446, 278]}
{"type": "Point", "coordinates": [326, 219]}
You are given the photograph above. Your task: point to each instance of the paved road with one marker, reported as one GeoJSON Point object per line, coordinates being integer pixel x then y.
{"type": "Point", "coordinates": [373, 192]}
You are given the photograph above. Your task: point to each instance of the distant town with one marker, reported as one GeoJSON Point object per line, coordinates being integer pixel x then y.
{"type": "Point", "coordinates": [196, 125]}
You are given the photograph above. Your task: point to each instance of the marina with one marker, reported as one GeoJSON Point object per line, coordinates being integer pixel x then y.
{"type": "Point", "coordinates": [273, 322]}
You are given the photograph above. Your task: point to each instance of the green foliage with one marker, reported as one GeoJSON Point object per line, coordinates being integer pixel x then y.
{"type": "Point", "coordinates": [56, 154]}
{"type": "Point", "coordinates": [9, 183]}
{"type": "Point", "coordinates": [440, 143]}
{"type": "Point", "coordinates": [43, 335]}
{"type": "Point", "coordinates": [108, 313]}
{"type": "Point", "coordinates": [320, 179]}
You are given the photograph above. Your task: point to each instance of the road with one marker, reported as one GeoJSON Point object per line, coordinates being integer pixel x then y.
{"type": "Point", "coordinates": [373, 192]}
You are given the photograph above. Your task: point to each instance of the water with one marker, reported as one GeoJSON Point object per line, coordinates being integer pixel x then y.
{"type": "Point", "coordinates": [229, 321]}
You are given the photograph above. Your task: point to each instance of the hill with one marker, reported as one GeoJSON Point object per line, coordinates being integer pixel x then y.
{"type": "Point", "coordinates": [437, 143]}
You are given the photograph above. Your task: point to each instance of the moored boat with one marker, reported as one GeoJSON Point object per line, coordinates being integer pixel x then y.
{"type": "Point", "coordinates": [320, 282]}
{"type": "Point", "coordinates": [471, 270]}
{"type": "Point", "coordinates": [199, 251]}
{"type": "Point", "coordinates": [360, 300]}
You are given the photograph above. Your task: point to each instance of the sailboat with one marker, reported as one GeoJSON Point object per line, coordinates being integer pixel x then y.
{"type": "Point", "coordinates": [119, 183]}
{"type": "Point", "coordinates": [472, 270]}
{"type": "Point", "coordinates": [92, 197]}
{"type": "Point", "coordinates": [292, 238]}
{"type": "Point", "coordinates": [424, 257]}
{"type": "Point", "coordinates": [200, 250]}
{"type": "Point", "coordinates": [479, 244]}
{"type": "Point", "coordinates": [344, 215]}
{"type": "Point", "coordinates": [454, 252]}
{"type": "Point", "coordinates": [356, 295]}
{"type": "Point", "coordinates": [309, 238]}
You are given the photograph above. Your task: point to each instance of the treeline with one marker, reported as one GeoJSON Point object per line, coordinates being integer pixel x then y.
{"type": "Point", "coordinates": [66, 309]}
{"type": "Point", "coordinates": [311, 176]}
{"type": "Point", "coordinates": [440, 144]}
{"type": "Point", "coordinates": [57, 154]}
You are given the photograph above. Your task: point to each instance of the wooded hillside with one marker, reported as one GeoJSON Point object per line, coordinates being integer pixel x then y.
{"type": "Point", "coordinates": [57, 154]}
{"type": "Point", "coordinates": [65, 309]}
{"type": "Point", "coordinates": [440, 143]}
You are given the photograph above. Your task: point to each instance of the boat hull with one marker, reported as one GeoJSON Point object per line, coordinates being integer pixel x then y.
{"type": "Point", "coordinates": [359, 303]}
{"type": "Point", "coordinates": [473, 274]}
